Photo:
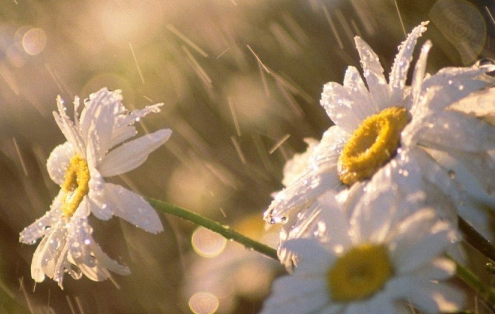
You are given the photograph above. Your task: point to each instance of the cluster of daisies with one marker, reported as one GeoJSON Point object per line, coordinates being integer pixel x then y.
{"type": "Point", "coordinates": [370, 212]}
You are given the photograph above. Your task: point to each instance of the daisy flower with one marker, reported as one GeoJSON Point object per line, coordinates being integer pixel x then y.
{"type": "Point", "coordinates": [97, 146]}
{"type": "Point", "coordinates": [386, 130]}
{"type": "Point", "coordinates": [376, 262]}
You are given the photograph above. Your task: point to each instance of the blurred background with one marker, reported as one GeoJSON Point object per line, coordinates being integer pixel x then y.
{"type": "Point", "coordinates": [241, 82]}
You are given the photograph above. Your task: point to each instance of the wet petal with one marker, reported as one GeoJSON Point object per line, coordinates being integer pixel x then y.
{"type": "Point", "coordinates": [132, 154]}
{"type": "Point", "coordinates": [398, 74]}
{"type": "Point", "coordinates": [58, 161]}
{"type": "Point", "coordinates": [132, 207]}
{"type": "Point", "coordinates": [452, 84]}
{"type": "Point", "coordinates": [99, 118]}
{"type": "Point", "coordinates": [68, 129]}
{"type": "Point", "coordinates": [451, 130]}
{"type": "Point", "coordinates": [338, 103]}
{"type": "Point", "coordinates": [373, 73]}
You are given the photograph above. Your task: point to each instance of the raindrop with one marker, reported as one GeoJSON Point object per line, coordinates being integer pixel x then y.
{"type": "Point", "coordinates": [486, 63]}
{"type": "Point", "coordinates": [490, 267]}
{"type": "Point", "coordinates": [451, 174]}
{"type": "Point", "coordinates": [75, 272]}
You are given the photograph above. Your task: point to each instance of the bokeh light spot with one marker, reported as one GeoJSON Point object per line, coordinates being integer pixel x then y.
{"type": "Point", "coordinates": [203, 303]}
{"type": "Point", "coordinates": [463, 26]}
{"type": "Point", "coordinates": [34, 41]}
{"type": "Point", "coordinates": [207, 243]}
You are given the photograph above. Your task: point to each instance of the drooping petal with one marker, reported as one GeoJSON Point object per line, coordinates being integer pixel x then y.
{"type": "Point", "coordinates": [85, 253]}
{"type": "Point", "coordinates": [42, 226]}
{"type": "Point", "coordinates": [132, 207]}
{"type": "Point", "coordinates": [132, 154]}
{"type": "Point", "coordinates": [58, 161]}
{"type": "Point", "coordinates": [398, 74]}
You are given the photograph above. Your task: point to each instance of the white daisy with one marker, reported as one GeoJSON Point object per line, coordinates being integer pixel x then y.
{"type": "Point", "coordinates": [390, 130]}
{"type": "Point", "coordinates": [93, 150]}
{"type": "Point", "coordinates": [373, 263]}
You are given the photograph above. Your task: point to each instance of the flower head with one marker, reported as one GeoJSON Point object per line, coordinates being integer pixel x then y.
{"type": "Point", "coordinates": [97, 146]}
{"type": "Point", "coordinates": [387, 131]}
{"type": "Point", "coordinates": [374, 262]}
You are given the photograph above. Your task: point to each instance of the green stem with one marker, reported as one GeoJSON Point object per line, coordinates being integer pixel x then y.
{"type": "Point", "coordinates": [225, 231]}
{"type": "Point", "coordinates": [476, 240]}
{"type": "Point", "coordinates": [471, 280]}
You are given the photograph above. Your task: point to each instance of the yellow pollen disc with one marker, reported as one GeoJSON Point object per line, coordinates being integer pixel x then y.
{"type": "Point", "coordinates": [75, 186]}
{"type": "Point", "coordinates": [359, 273]}
{"type": "Point", "coordinates": [373, 144]}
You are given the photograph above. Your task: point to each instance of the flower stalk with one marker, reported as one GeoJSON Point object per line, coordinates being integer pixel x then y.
{"type": "Point", "coordinates": [476, 240]}
{"type": "Point", "coordinates": [472, 281]}
{"type": "Point", "coordinates": [225, 231]}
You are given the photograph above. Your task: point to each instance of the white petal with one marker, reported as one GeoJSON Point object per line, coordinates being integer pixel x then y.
{"type": "Point", "coordinates": [336, 222]}
{"type": "Point", "coordinates": [124, 130]}
{"type": "Point", "coordinates": [132, 207]}
{"type": "Point", "coordinates": [99, 117]}
{"type": "Point", "coordinates": [420, 241]}
{"type": "Point", "coordinates": [373, 73]}
{"type": "Point", "coordinates": [49, 254]}
{"type": "Point", "coordinates": [362, 105]}
{"type": "Point", "coordinates": [432, 297]}
{"type": "Point", "coordinates": [58, 161]}
{"type": "Point", "coordinates": [453, 130]}
{"type": "Point", "coordinates": [439, 269]}
{"type": "Point", "coordinates": [338, 103]}
{"type": "Point", "coordinates": [398, 74]}
{"type": "Point", "coordinates": [85, 253]}
{"type": "Point", "coordinates": [310, 253]}
{"type": "Point", "coordinates": [37, 272]}
{"type": "Point", "coordinates": [68, 129]}
{"type": "Point", "coordinates": [332, 309]}
{"type": "Point", "coordinates": [42, 225]}
{"type": "Point", "coordinates": [99, 208]}
{"type": "Point", "coordinates": [450, 85]}
{"type": "Point", "coordinates": [295, 295]}
{"type": "Point", "coordinates": [298, 163]}
{"type": "Point", "coordinates": [132, 154]}
{"type": "Point", "coordinates": [473, 172]}
{"type": "Point", "coordinates": [418, 76]}
{"type": "Point", "coordinates": [319, 177]}
{"type": "Point", "coordinates": [96, 197]}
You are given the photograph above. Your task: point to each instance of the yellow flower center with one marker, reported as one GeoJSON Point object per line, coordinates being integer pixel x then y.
{"type": "Point", "coordinates": [373, 144]}
{"type": "Point", "coordinates": [75, 186]}
{"type": "Point", "coordinates": [359, 273]}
